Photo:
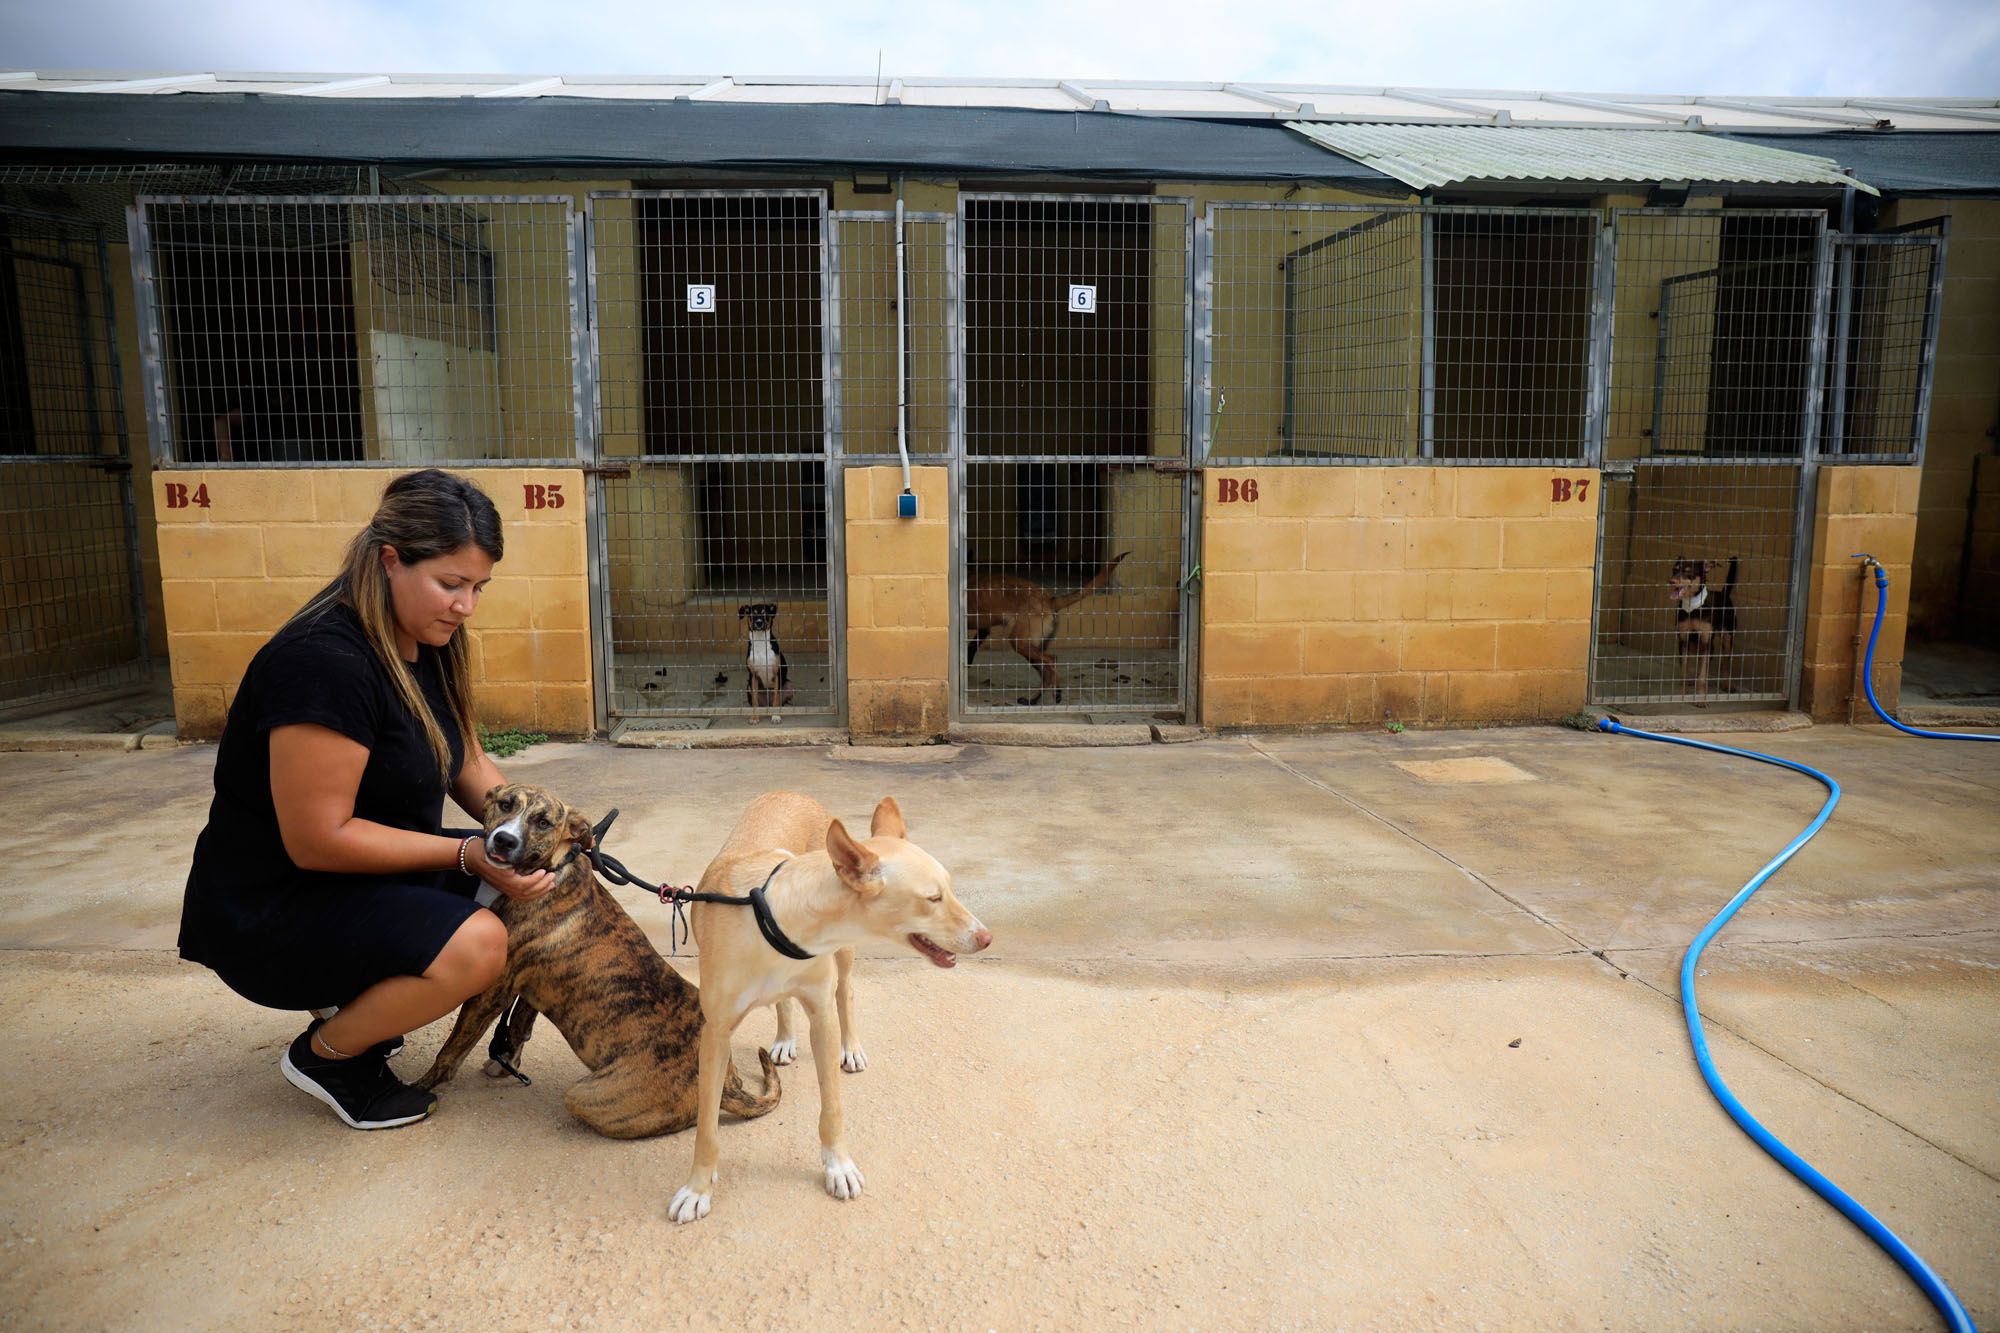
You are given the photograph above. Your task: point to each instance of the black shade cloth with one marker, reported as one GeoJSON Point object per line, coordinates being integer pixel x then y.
{"type": "Point", "coordinates": [407, 133]}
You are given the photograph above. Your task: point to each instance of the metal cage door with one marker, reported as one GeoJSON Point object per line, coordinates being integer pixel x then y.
{"type": "Point", "coordinates": [1718, 372]}
{"type": "Point", "coordinates": [357, 330]}
{"type": "Point", "coordinates": [716, 536]}
{"type": "Point", "coordinates": [1073, 492]}
{"type": "Point", "coordinates": [72, 601]}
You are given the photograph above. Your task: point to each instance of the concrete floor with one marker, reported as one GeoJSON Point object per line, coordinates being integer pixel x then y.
{"type": "Point", "coordinates": [1947, 672]}
{"type": "Point", "coordinates": [1366, 1030]}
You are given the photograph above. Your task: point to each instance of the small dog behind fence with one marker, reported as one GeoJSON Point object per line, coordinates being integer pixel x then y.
{"type": "Point", "coordinates": [1704, 619]}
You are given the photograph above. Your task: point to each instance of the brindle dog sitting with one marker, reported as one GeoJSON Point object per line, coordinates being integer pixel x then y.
{"type": "Point", "coordinates": [575, 955]}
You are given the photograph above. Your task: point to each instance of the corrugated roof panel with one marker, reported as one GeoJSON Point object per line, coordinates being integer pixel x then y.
{"type": "Point", "coordinates": [1366, 106]}
{"type": "Point", "coordinates": [1528, 109]}
{"type": "Point", "coordinates": [1713, 116]}
{"type": "Point", "coordinates": [1906, 120]}
{"type": "Point", "coordinates": [398, 88]}
{"type": "Point", "coordinates": [1192, 101]}
{"type": "Point", "coordinates": [1048, 98]}
{"type": "Point", "coordinates": [781, 94]}
{"type": "Point", "coordinates": [1427, 156]}
{"type": "Point", "coordinates": [1248, 101]}
{"type": "Point", "coordinates": [646, 92]}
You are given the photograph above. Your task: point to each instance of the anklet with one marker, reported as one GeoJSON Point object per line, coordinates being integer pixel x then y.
{"type": "Point", "coordinates": [332, 1049]}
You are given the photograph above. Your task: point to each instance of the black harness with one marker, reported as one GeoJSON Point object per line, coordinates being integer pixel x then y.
{"type": "Point", "coordinates": [677, 896]}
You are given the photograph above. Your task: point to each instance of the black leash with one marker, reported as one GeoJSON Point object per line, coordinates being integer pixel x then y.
{"type": "Point", "coordinates": [500, 1052]}
{"type": "Point", "coordinates": [677, 896]}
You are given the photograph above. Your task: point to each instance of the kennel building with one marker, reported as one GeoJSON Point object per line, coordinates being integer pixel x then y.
{"type": "Point", "coordinates": [1226, 405]}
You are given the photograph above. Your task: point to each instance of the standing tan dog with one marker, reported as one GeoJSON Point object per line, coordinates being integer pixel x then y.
{"type": "Point", "coordinates": [822, 901]}
{"type": "Point", "coordinates": [574, 954]}
{"type": "Point", "coordinates": [1023, 614]}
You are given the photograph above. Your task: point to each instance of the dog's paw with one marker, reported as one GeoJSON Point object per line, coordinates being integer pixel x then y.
{"type": "Point", "coordinates": [494, 1069]}
{"type": "Point", "coordinates": [784, 1052]}
{"type": "Point", "coordinates": [853, 1059]}
{"type": "Point", "coordinates": [843, 1177]}
{"type": "Point", "coordinates": [688, 1206]}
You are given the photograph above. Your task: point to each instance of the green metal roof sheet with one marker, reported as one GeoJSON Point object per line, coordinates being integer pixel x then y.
{"type": "Point", "coordinates": [1427, 156]}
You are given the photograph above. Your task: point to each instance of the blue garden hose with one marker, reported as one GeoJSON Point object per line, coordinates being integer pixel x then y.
{"type": "Point", "coordinates": [1933, 1286]}
{"type": "Point", "coordinates": [1868, 664]}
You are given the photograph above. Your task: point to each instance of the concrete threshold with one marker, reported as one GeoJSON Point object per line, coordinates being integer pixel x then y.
{"type": "Point", "coordinates": [1687, 724]}
{"type": "Point", "coordinates": [1050, 735]}
{"type": "Point", "coordinates": [1045, 735]}
{"type": "Point", "coordinates": [1938, 715]}
{"type": "Point", "coordinates": [158, 736]}
{"type": "Point", "coordinates": [728, 738]}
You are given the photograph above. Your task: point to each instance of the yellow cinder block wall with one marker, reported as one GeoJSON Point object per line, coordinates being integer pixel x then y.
{"type": "Point", "coordinates": [232, 572]}
{"type": "Point", "coordinates": [1427, 596]}
{"type": "Point", "coordinates": [898, 603]}
{"type": "Point", "coordinates": [1857, 509]}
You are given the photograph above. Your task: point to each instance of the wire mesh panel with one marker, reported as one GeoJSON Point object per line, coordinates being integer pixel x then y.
{"type": "Point", "coordinates": [1717, 333]}
{"type": "Point", "coordinates": [72, 614]}
{"type": "Point", "coordinates": [715, 535]}
{"type": "Point", "coordinates": [869, 308]}
{"type": "Point", "coordinates": [1718, 358]}
{"type": "Point", "coordinates": [1074, 503]}
{"type": "Point", "coordinates": [1360, 333]}
{"type": "Point", "coordinates": [1884, 351]}
{"type": "Point", "coordinates": [407, 330]}
{"type": "Point", "coordinates": [1695, 586]}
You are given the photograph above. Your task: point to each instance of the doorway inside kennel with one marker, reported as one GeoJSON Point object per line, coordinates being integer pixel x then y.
{"type": "Point", "coordinates": [1718, 367]}
{"type": "Point", "coordinates": [712, 489]}
{"type": "Point", "coordinates": [72, 599]}
{"type": "Point", "coordinates": [1070, 576]}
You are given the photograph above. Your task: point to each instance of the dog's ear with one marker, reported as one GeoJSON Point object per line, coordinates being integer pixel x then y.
{"type": "Point", "coordinates": [491, 792]}
{"type": "Point", "coordinates": [859, 869]}
{"type": "Point", "coordinates": [888, 821]}
{"type": "Point", "coordinates": [743, 610]}
{"type": "Point", "coordinates": [577, 826]}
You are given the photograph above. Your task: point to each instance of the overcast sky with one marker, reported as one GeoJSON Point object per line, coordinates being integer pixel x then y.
{"type": "Point", "coordinates": [1827, 47]}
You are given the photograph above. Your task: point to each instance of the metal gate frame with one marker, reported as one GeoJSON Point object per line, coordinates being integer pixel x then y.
{"type": "Point", "coordinates": [1806, 460]}
{"type": "Point", "coordinates": [598, 469]}
{"type": "Point", "coordinates": [1934, 236]}
{"type": "Point", "coordinates": [152, 335]}
{"type": "Point", "coordinates": [1184, 464]}
{"type": "Point", "coordinates": [73, 231]}
{"type": "Point", "coordinates": [1595, 393]}
{"type": "Point", "coordinates": [838, 402]}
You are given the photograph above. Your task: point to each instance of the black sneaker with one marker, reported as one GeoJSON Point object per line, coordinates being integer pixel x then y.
{"type": "Point", "coordinates": [361, 1090]}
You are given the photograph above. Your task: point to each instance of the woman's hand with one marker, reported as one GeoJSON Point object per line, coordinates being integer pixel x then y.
{"type": "Point", "coordinates": [516, 886]}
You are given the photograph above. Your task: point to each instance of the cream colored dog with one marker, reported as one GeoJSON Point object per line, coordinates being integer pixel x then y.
{"type": "Point", "coordinates": [825, 900]}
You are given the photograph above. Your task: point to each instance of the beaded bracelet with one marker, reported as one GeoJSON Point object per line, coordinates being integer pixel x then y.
{"type": "Point", "coordinates": [462, 868]}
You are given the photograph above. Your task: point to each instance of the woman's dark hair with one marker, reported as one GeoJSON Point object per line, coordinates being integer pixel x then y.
{"type": "Point", "coordinates": [423, 515]}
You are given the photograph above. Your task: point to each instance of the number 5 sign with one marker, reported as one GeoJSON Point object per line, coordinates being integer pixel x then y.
{"type": "Point", "coordinates": [701, 298]}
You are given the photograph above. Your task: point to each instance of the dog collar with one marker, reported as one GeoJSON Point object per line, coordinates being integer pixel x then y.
{"type": "Point", "coordinates": [1696, 602]}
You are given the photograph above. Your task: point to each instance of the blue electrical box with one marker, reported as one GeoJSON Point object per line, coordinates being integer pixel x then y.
{"type": "Point", "coordinates": [906, 505]}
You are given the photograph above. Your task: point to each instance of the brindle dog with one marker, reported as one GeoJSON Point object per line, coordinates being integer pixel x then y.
{"type": "Point", "coordinates": [575, 955]}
